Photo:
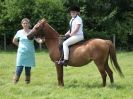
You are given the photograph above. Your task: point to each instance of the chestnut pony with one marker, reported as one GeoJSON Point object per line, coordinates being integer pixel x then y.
{"type": "Point", "coordinates": [97, 50]}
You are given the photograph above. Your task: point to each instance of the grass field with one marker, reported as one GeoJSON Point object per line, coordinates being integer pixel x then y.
{"type": "Point", "coordinates": [80, 83]}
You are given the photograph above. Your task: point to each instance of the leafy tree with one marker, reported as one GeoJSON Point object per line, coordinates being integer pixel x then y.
{"type": "Point", "coordinates": [53, 11]}
{"type": "Point", "coordinates": [102, 18]}
{"type": "Point", "coordinates": [13, 13]}
{"type": "Point", "coordinates": [1, 8]}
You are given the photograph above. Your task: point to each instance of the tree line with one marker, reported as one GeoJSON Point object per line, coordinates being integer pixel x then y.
{"type": "Point", "coordinates": [101, 18]}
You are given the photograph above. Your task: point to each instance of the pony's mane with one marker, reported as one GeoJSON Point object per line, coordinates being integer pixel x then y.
{"type": "Point", "coordinates": [44, 20]}
{"type": "Point", "coordinates": [49, 28]}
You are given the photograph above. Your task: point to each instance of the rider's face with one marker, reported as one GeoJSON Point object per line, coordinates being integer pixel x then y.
{"type": "Point", "coordinates": [73, 13]}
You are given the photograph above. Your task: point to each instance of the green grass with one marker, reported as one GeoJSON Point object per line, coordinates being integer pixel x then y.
{"type": "Point", "coordinates": [80, 83]}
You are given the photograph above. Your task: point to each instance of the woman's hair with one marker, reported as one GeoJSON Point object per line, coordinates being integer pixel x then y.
{"type": "Point", "coordinates": [74, 8]}
{"type": "Point", "coordinates": [25, 19]}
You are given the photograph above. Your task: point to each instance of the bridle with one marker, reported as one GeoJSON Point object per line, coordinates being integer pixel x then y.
{"type": "Point", "coordinates": [42, 32]}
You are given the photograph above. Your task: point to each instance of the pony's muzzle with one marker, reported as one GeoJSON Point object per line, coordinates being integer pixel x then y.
{"type": "Point", "coordinates": [30, 37]}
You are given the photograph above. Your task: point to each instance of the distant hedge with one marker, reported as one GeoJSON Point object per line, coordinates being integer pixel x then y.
{"type": "Point", "coordinates": [102, 18]}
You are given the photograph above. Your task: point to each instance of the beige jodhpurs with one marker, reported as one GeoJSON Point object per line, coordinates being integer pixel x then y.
{"type": "Point", "coordinates": [70, 41]}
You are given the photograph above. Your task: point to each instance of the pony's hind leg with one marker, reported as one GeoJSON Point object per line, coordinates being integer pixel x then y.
{"type": "Point", "coordinates": [109, 72]}
{"type": "Point", "coordinates": [101, 68]}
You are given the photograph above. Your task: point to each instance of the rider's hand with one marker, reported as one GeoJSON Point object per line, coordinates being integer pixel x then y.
{"type": "Point", "coordinates": [67, 36]}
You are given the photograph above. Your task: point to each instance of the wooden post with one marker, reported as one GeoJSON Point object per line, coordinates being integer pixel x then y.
{"type": "Point", "coordinates": [40, 46]}
{"type": "Point", "coordinates": [5, 42]}
{"type": "Point", "coordinates": [114, 39]}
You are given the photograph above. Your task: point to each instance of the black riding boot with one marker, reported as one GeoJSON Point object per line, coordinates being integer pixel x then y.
{"type": "Point", "coordinates": [16, 79]}
{"type": "Point", "coordinates": [27, 79]}
{"type": "Point", "coordinates": [63, 62]}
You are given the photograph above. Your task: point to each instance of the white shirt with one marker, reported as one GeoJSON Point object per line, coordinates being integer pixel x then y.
{"type": "Point", "coordinates": [76, 21]}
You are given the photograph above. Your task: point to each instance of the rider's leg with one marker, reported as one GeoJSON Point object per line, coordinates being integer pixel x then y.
{"type": "Point", "coordinates": [70, 41]}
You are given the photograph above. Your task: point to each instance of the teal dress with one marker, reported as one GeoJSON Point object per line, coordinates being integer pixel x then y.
{"type": "Point", "coordinates": [26, 50]}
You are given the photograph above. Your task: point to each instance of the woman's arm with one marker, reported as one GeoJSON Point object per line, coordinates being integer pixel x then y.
{"type": "Point", "coordinates": [15, 41]}
{"type": "Point", "coordinates": [68, 33]}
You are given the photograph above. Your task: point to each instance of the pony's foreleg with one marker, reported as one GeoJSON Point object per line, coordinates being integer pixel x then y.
{"type": "Point", "coordinates": [101, 69]}
{"type": "Point", "coordinates": [59, 70]}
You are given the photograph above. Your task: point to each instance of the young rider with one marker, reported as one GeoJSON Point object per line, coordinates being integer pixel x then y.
{"type": "Point", "coordinates": [75, 33]}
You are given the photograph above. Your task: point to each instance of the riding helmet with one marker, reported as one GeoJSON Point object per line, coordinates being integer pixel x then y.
{"type": "Point", "coordinates": [74, 8]}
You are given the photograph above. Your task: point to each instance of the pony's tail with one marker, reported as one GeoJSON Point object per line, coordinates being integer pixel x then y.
{"type": "Point", "coordinates": [113, 58]}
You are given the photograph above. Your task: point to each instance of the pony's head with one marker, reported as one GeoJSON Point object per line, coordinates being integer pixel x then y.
{"type": "Point", "coordinates": [37, 30]}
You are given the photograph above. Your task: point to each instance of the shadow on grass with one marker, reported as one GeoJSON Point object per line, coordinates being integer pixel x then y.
{"type": "Point", "coordinates": [95, 86]}
{"type": "Point", "coordinates": [116, 86]}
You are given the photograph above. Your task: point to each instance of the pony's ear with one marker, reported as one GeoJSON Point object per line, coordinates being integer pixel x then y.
{"type": "Point", "coordinates": [43, 20]}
